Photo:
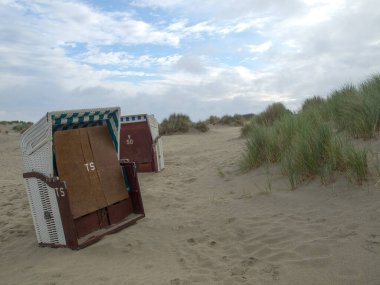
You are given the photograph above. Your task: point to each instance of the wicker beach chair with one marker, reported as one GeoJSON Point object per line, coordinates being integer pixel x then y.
{"type": "Point", "coordinates": [141, 143]}
{"type": "Point", "coordinates": [78, 189]}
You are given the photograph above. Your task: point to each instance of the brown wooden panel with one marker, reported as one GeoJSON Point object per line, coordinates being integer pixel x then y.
{"type": "Point", "coordinates": [86, 224]}
{"type": "Point", "coordinates": [90, 167]}
{"type": "Point", "coordinates": [98, 235]}
{"type": "Point", "coordinates": [119, 211]}
{"type": "Point", "coordinates": [136, 142]}
{"type": "Point", "coordinates": [107, 165]}
{"type": "Point", "coordinates": [145, 167]}
{"type": "Point", "coordinates": [72, 153]}
{"type": "Point", "coordinates": [91, 222]}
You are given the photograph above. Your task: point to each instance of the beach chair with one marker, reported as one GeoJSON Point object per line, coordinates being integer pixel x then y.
{"type": "Point", "coordinates": [78, 189]}
{"type": "Point", "coordinates": [141, 143]}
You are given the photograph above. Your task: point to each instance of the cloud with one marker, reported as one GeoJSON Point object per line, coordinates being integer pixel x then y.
{"type": "Point", "coordinates": [64, 54]}
{"type": "Point", "coordinates": [260, 48]}
{"type": "Point", "coordinates": [191, 64]}
{"type": "Point", "coordinates": [227, 9]}
{"type": "Point", "coordinates": [66, 21]}
{"type": "Point", "coordinates": [124, 59]}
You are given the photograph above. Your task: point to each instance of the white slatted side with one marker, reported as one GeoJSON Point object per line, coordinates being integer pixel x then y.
{"type": "Point", "coordinates": [153, 126]}
{"type": "Point", "coordinates": [36, 148]}
{"type": "Point", "coordinates": [35, 207]}
{"type": "Point", "coordinates": [43, 203]}
{"type": "Point", "coordinates": [157, 140]}
{"type": "Point", "coordinates": [55, 224]}
{"type": "Point", "coordinates": [40, 161]}
{"type": "Point", "coordinates": [160, 154]}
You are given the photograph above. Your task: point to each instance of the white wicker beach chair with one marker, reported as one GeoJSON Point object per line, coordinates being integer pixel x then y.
{"type": "Point", "coordinates": [47, 194]}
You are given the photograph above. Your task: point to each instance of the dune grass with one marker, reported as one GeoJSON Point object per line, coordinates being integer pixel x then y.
{"type": "Point", "coordinates": [354, 111]}
{"type": "Point", "coordinates": [228, 120]}
{"type": "Point", "coordinates": [272, 113]}
{"type": "Point", "coordinates": [213, 120]}
{"type": "Point", "coordinates": [21, 127]}
{"type": "Point", "coordinates": [201, 126]}
{"type": "Point", "coordinates": [17, 126]}
{"type": "Point", "coordinates": [315, 142]}
{"type": "Point", "coordinates": [175, 123]}
{"type": "Point", "coordinates": [181, 123]}
{"type": "Point", "coordinates": [315, 102]}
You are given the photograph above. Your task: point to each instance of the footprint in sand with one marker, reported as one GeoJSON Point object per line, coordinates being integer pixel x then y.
{"type": "Point", "coordinates": [251, 261]}
{"type": "Point", "coordinates": [238, 271]}
{"type": "Point", "coordinates": [271, 271]}
{"type": "Point", "coordinates": [230, 220]}
{"type": "Point", "coordinates": [372, 243]}
{"type": "Point", "coordinates": [191, 241]}
{"type": "Point", "coordinates": [190, 180]}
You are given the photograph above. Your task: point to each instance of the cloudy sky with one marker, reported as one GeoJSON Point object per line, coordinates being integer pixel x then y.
{"type": "Point", "coordinates": [198, 57]}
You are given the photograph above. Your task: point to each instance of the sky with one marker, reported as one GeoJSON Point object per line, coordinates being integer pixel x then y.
{"type": "Point", "coordinates": [199, 57]}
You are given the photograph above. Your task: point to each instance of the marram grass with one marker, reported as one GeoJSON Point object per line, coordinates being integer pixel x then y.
{"type": "Point", "coordinates": [315, 141]}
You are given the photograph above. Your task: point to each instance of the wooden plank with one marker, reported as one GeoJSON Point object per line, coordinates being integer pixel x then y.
{"type": "Point", "coordinates": [136, 142]}
{"type": "Point", "coordinates": [145, 167]}
{"type": "Point", "coordinates": [91, 167]}
{"type": "Point", "coordinates": [119, 211]}
{"type": "Point", "coordinates": [107, 165]}
{"type": "Point", "coordinates": [86, 224]}
{"type": "Point", "coordinates": [73, 159]}
{"type": "Point", "coordinates": [99, 234]}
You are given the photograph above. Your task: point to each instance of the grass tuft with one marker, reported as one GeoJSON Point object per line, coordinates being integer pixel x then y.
{"type": "Point", "coordinates": [176, 123]}
{"type": "Point", "coordinates": [357, 164]}
{"type": "Point", "coordinates": [21, 127]}
{"type": "Point", "coordinates": [201, 126]}
{"type": "Point", "coordinates": [313, 142]}
{"type": "Point", "coordinates": [271, 114]}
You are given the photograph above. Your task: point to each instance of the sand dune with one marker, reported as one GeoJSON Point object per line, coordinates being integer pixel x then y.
{"type": "Point", "coordinates": [207, 224]}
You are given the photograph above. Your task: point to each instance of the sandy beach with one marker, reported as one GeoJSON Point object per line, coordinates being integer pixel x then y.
{"type": "Point", "coordinates": [207, 223]}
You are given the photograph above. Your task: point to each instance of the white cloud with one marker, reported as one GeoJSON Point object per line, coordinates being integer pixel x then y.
{"type": "Point", "coordinates": [211, 27]}
{"type": "Point", "coordinates": [227, 9]}
{"type": "Point", "coordinates": [260, 48]}
{"type": "Point", "coordinates": [318, 11]}
{"type": "Point", "coordinates": [249, 23]}
{"type": "Point", "coordinates": [157, 3]}
{"type": "Point", "coordinates": [123, 59]}
{"type": "Point", "coordinates": [305, 48]}
{"type": "Point", "coordinates": [66, 21]}
{"type": "Point", "coordinates": [190, 63]}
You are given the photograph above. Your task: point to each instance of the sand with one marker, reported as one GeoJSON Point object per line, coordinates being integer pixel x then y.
{"type": "Point", "coordinates": [207, 224]}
